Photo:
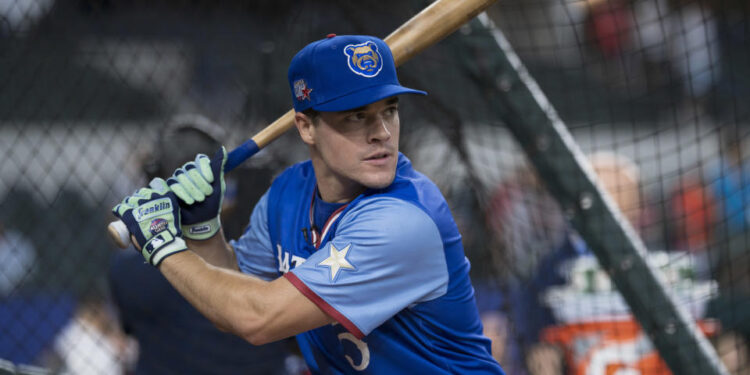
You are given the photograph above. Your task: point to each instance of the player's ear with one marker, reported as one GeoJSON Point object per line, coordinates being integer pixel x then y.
{"type": "Point", "coordinates": [305, 127]}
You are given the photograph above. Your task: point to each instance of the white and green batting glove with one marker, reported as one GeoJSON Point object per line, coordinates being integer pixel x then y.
{"type": "Point", "coordinates": [152, 216]}
{"type": "Point", "coordinates": [200, 186]}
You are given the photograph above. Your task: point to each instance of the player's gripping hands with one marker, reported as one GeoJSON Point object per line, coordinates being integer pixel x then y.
{"type": "Point", "coordinates": [200, 186]}
{"type": "Point", "coordinates": [152, 217]}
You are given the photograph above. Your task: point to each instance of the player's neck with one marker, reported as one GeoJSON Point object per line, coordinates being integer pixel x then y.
{"type": "Point", "coordinates": [333, 188]}
{"type": "Point", "coordinates": [333, 191]}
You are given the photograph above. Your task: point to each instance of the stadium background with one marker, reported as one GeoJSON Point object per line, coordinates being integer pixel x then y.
{"type": "Point", "coordinates": [659, 85]}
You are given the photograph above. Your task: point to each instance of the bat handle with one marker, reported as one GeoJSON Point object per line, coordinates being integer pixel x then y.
{"type": "Point", "coordinates": [117, 230]}
{"type": "Point", "coordinates": [240, 154]}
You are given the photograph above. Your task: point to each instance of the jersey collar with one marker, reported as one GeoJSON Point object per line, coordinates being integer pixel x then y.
{"type": "Point", "coordinates": [318, 236]}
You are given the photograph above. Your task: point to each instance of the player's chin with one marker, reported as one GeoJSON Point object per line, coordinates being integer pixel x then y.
{"type": "Point", "coordinates": [380, 179]}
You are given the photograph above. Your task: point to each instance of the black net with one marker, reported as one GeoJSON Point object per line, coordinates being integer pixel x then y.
{"type": "Point", "coordinates": [654, 93]}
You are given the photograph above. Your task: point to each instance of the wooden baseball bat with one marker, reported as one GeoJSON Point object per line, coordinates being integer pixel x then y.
{"type": "Point", "coordinates": [423, 30]}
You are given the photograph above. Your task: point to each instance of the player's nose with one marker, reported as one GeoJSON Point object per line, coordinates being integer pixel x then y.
{"type": "Point", "coordinates": [379, 130]}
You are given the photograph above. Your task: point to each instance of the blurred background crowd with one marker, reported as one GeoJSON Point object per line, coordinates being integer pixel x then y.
{"type": "Point", "coordinates": [98, 96]}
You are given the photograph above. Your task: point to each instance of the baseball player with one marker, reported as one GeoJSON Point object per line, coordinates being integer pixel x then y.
{"type": "Point", "coordinates": [352, 251]}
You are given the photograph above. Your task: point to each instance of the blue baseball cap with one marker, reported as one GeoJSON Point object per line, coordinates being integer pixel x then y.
{"type": "Point", "coordinates": [343, 72]}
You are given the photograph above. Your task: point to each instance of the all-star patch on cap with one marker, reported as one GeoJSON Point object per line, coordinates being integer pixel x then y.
{"type": "Point", "coordinates": [343, 72]}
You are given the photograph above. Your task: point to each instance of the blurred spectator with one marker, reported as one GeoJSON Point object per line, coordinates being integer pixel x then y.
{"type": "Point", "coordinates": [691, 215]}
{"type": "Point", "coordinates": [496, 329]}
{"type": "Point", "coordinates": [92, 343]}
{"type": "Point", "coordinates": [527, 314]}
{"type": "Point", "coordinates": [526, 221]}
{"type": "Point", "coordinates": [608, 41]}
{"type": "Point", "coordinates": [695, 51]}
{"type": "Point", "coordinates": [30, 322]}
{"type": "Point", "coordinates": [469, 218]}
{"type": "Point", "coordinates": [730, 186]}
{"type": "Point", "coordinates": [30, 317]}
{"type": "Point", "coordinates": [545, 359]}
{"type": "Point", "coordinates": [650, 34]}
{"type": "Point", "coordinates": [17, 259]}
{"type": "Point", "coordinates": [691, 218]}
{"type": "Point", "coordinates": [733, 352]}
{"type": "Point", "coordinates": [527, 227]}
{"type": "Point", "coordinates": [730, 181]}
{"type": "Point", "coordinates": [608, 27]}
{"type": "Point", "coordinates": [620, 177]}
{"type": "Point", "coordinates": [534, 315]}
{"type": "Point", "coordinates": [173, 337]}
{"type": "Point", "coordinates": [730, 256]}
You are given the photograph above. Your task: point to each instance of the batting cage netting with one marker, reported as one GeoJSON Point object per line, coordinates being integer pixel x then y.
{"type": "Point", "coordinates": [595, 155]}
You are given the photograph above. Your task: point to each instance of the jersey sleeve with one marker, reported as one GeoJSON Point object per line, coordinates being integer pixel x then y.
{"type": "Point", "coordinates": [253, 249]}
{"type": "Point", "coordinates": [387, 255]}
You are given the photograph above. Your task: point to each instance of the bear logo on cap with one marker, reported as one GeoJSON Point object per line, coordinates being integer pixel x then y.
{"type": "Point", "coordinates": [364, 59]}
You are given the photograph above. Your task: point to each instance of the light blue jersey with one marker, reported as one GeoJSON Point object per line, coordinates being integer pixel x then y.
{"type": "Point", "coordinates": [389, 267]}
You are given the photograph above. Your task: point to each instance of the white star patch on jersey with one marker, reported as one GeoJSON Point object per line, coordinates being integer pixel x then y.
{"type": "Point", "coordinates": [337, 260]}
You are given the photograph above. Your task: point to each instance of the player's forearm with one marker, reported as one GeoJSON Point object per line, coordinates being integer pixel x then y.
{"type": "Point", "coordinates": [258, 311]}
{"type": "Point", "coordinates": [229, 299]}
{"type": "Point", "coordinates": [216, 251]}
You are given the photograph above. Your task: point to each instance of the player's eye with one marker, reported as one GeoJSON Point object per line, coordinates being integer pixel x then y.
{"type": "Point", "coordinates": [356, 117]}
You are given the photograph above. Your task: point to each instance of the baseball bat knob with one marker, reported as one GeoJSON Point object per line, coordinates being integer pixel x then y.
{"type": "Point", "coordinates": [118, 232]}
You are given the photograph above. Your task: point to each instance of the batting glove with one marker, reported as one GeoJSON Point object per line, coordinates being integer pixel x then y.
{"type": "Point", "coordinates": [200, 186]}
{"type": "Point", "coordinates": [152, 216]}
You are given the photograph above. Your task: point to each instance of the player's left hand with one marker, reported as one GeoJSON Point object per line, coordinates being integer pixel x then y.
{"type": "Point", "coordinates": [152, 217]}
{"type": "Point", "coordinates": [200, 186]}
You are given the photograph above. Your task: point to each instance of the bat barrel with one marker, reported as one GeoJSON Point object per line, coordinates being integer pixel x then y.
{"type": "Point", "coordinates": [431, 25]}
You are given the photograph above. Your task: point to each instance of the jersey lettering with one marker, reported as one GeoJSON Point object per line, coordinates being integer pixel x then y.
{"type": "Point", "coordinates": [283, 258]}
{"type": "Point", "coordinates": [363, 350]}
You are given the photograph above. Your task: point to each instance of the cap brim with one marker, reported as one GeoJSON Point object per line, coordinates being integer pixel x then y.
{"type": "Point", "coordinates": [364, 97]}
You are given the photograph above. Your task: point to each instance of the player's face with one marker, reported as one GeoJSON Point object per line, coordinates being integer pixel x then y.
{"type": "Point", "coordinates": [356, 149]}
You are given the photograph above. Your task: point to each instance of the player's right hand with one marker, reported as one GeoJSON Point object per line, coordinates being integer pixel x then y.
{"type": "Point", "coordinates": [152, 216]}
{"type": "Point", "coordinates": [200, 186]}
